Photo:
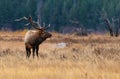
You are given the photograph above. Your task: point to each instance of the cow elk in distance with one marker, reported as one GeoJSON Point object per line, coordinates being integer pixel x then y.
{"type": "Point", "coordinates": [34, 38]}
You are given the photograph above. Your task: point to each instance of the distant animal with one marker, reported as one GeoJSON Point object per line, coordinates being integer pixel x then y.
{"type": "Point", "coordinates": [33, 38]}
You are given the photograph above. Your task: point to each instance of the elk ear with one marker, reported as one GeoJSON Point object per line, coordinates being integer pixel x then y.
{"type": "Point", "coordinates": [42, 30]}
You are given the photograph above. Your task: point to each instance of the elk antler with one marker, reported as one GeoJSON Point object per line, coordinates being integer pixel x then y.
{"type": "Point", "coordinates": [33, 23]}
{"type": "Point", "coordinates": [23, 18]}
{"type": "Point", "coordinates": [46, 27]}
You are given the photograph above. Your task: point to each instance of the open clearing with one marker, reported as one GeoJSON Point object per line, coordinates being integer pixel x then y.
{"type": "Point", "coordinates": [91, 57]}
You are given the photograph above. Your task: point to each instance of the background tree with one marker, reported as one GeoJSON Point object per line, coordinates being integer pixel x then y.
{"type": "Point", "coordinates": [59, 13]}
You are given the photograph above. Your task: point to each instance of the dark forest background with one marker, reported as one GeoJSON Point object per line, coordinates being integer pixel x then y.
{"type": "Point", "coordinates": [61, 14]}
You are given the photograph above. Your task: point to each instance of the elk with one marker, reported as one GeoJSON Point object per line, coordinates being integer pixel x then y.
{"type": "Point", "coordinates": [33, 38]}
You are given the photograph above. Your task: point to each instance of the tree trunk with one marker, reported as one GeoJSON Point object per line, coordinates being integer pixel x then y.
{"type": "Point", "coordinates": [117, 29]}
{"type": "Point", "coordinates": [110, 27]}
{"type": "Point", "coordinates": [39, 10]}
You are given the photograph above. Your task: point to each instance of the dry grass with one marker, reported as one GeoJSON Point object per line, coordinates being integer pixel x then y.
{"type": "Point", "coordinates": [92, 57]}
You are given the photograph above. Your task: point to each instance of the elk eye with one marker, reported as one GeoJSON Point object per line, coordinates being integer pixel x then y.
{"type": "Point", "coordinates": [43, 32]}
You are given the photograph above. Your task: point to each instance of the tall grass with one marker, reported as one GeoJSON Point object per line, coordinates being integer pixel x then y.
{"type": "Point", "coordinates": [92, 57]}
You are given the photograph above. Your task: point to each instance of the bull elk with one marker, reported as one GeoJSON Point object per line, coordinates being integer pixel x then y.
{"type": "Point", "coordinates": [33, 38]}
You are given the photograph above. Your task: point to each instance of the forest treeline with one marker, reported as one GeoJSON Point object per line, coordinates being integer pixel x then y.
{"type": "Point", "coordinates": [59, 13]}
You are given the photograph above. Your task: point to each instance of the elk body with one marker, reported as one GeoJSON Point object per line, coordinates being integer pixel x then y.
{"type": "Point", "coordinates": [34, 38]}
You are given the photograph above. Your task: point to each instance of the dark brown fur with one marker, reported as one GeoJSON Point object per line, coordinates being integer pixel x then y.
{"type": "Point", "coordinates": [33, 40]}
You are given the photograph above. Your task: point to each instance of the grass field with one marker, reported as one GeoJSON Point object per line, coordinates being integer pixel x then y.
{"type": "Point", "coordinates": [91, 57]}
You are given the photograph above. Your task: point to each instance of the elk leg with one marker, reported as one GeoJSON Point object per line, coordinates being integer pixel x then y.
{"type": "Point", "coordinates": [33, 52]}
{"type": "Point", "coordinates": [29, 52]}
{"type": "Point", "coordinates": [37, 49]}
